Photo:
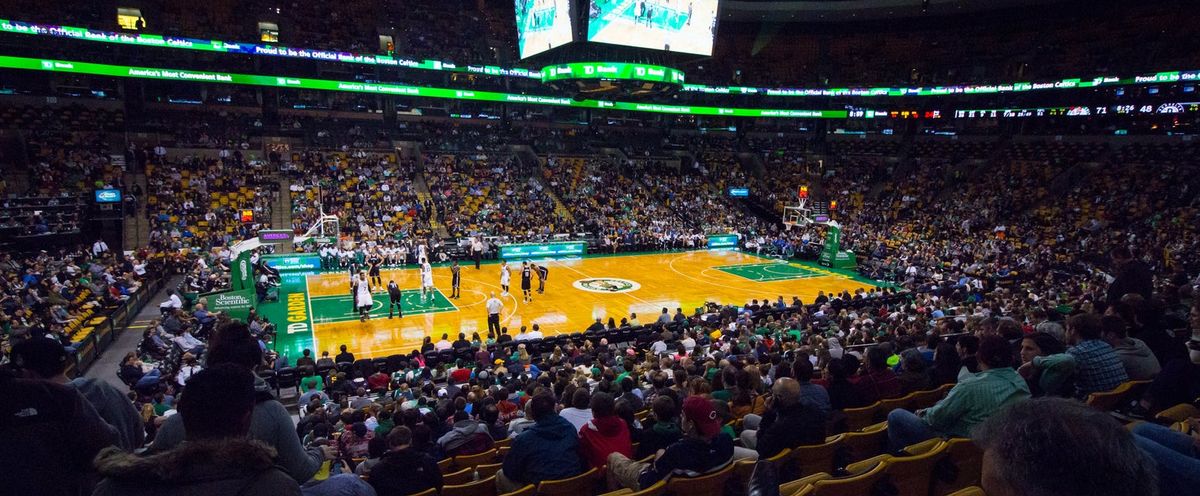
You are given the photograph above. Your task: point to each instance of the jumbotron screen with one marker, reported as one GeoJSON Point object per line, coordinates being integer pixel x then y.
{"type": "Point", "coordinates": [542, 25]}
{"type": "Point", "coordinates": [686, 26]}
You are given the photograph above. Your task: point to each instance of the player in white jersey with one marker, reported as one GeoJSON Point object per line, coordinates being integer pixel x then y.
{"type": "Point", "coordinates": [426, 281]}
{"type": "Point", "coordinates": [504, 275]}
{"type": "Point", "coordinates": [363, 301]}
{"type": "Point", "coordinates": [422, 252]}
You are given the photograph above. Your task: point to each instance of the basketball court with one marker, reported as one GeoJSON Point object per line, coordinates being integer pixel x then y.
{"type": "Point", "coordinates": [542, 25]}
{"type": "Point", "coordinates": [315, 310]}
{"type": "Point", "coordinates": [681, 24]}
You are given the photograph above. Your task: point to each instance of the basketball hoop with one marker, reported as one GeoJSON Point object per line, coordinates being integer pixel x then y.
{"type": "Point", "coordinates": [797, 215]}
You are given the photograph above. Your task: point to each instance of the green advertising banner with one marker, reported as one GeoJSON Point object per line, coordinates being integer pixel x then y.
{"type": "Point", "coordinates": [266, 50]}
{"type": "Point", "coordinates": [241, 273]}
{"type": "Point", "coordinates": [234, 303]}
{"type": "Point", "coordinates": [285, 263]}
{"type": "Point", "coordinates": [74, 67]}
{"type": "Point", "coordinates": [722, 241]}
{"type": "Point", "coordinates": [541, 250]}
{"type": "Point", "coordinates": [612, 70]}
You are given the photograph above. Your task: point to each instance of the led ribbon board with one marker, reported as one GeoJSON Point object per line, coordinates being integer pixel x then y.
{"type": "Point", "coordinates": [151, 40]}
{"type": "Point", "coordinates": [613, 71]}
{"type": "Point", "coordinates": [722, 241]}
{"type": "Point", "coordinates": [531, 250]}
{"type": "Point", "coordinates": [970, 89]}
{"type": "Point", "coordinates": [394, 89]}
{"type": "Point", "coordinates": [293, 262]}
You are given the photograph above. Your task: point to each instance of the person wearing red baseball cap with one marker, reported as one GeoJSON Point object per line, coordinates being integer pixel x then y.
{"type": "Point", "coordinates": [702, 449]}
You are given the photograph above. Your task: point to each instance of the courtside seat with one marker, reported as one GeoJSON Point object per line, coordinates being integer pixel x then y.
{"type": "Point", "coordinates": [528, 490]}
{"type": "Point", "coordinates": [887, 405]}
{"type": "Point", "coordinates": [856, 419]}
{"type": "Point", "coordinates": [584, 483]}
{"type": "Point", "coordinates": [959, 468]}
{"type": "Point", "coordinates": [487, 470]}
{"type": "Point", "coordinates": [483, 487]}
{"type": "Point", "coordinates": [1108, 401]}
{"type": "Point", "coordinates": [1178, 413]}
{"type": "Point", "coordinates": [815, 459]}
{"type": "Point", "coordinates": [460, 477]}
{"type": "Point", "coordinates": [863, 444]}
{"type": "Point", "coordinates": [657, 489]}
{"type": "Point", "coordinates": [910, 475]}
{"type": "Point", "coordinates": [472, 461]}
{"type": "Point", "coordinates": [712, 484]}
{"type": "Point", "coordinates": [823, 484]}
{"type": "Point", "coordinates": [924, 399]}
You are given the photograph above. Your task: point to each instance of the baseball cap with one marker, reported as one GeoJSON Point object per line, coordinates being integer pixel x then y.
{"type": "Point", "coordinates": [42, 356]}
{"type": "Point", "coordinates": [701, 412]}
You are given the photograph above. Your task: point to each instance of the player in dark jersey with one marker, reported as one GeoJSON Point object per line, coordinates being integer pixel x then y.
{"type": "Point", "coordinates": [455, 278]}
{"type": "Point", "coordinates": [542, 273]}
{"type": "Point", "coordinates": [374, 262]}
{"type": "Point", "coordinates": [395, 295]}
{"type": "Point", "coordinates": [526, 281]}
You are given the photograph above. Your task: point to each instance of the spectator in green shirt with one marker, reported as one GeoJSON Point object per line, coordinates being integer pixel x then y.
{"type": "Point", "coordinates": [974, 399]}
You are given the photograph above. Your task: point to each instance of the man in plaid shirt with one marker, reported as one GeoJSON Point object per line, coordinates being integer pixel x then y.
{"type": "Point", "coordinates": [1097, 366]}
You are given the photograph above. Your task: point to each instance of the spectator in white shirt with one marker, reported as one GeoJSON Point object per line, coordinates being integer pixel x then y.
{"type": "Point", "coordinates": [578, 414]}
{"type": "Point", "coordinates": [444, 343]}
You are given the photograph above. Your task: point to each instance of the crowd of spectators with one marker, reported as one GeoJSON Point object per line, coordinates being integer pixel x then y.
{"type": "Point", "coordinates": [372, 194]}
{"type": "Point", "coordinates": [198, 203]}
{"type": "Point", "coordinates": [479, 193]}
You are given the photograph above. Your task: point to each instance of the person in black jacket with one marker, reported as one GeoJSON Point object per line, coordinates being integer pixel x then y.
{"type": "Point", "coordinates": [787, 423]}
{"type": "Point", "coordinates": [1132, 276]}
{"type": "Point", "coordinates": [51, 433]}
{"type": "Point", "coordinates": [404, 470]}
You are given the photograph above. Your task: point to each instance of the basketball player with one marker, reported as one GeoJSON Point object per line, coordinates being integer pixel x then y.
{"type": "Point", "coordinates": [504, 276]}
{"type": "Point", "coordinates": [362, 297]}
{"type": "Point", "coordinates": [454, 280]}
{"type": "Point", "coordinates": [542, 273]}
{"type": "Point", "coordinates": [395, 295]}
{"type": "Point", "coordinates": [422, 252]}
{"type": "Point", "coordinates": [526, 279]}
{"type": "Point", "coordinates": [374, 262]}
{"type": "Point", "coordinates": [426, 281]}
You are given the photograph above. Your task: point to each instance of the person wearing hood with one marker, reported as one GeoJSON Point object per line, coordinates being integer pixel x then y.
{"type": "Point", "coordinates": [404, 470]}
{"type": "Point", "coordinates": [835, 348]}
{"type": "Point", "coordinates": [547, 450]}
{"type": "Point", "coordinates": [1139, 361]}
{"type": "Point", "coordinates": [605, 433]}
{"type": "Point", "coordinates": [466, 437]}
{"type": "Point", "coordinates": [270, 422]}
{"type": "Point", "coordinates": [218, 458]}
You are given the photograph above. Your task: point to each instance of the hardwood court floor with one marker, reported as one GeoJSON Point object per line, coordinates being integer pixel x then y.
{"type": "Point", "coordinates": [577, 292]}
